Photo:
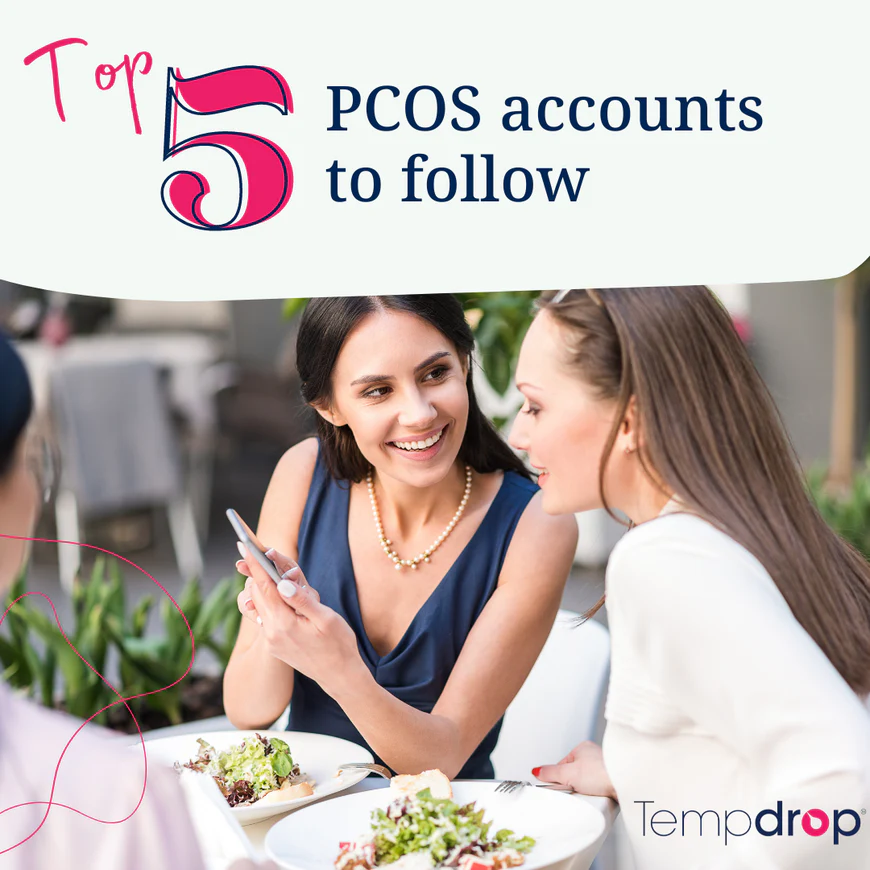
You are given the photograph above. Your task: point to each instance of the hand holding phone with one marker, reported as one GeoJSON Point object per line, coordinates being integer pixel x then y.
{"type": "Point", "coordinates": [253, 545]}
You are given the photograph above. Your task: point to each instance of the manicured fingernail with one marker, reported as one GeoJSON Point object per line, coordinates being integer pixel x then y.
{"type": "Point", "coordinates": [286, 588]}
{"type": "Point", "coordinates": [249, 604]}
{"type": "Point", "coordinates": [259, 620]}
{"type": "Point", "coordinates": [287, 574]}
{"type": "Point", "coordinates": [270, 553]}
{"type": "Point", "coordinates": [536, 771]}
{"type": "Point", "coordinates": [242, 551]}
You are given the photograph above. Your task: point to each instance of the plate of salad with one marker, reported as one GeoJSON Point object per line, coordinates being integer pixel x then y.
{"type": "Point", "coordinates": [263, 773]}
{"type": "Point", "coordinates": [473, 828]}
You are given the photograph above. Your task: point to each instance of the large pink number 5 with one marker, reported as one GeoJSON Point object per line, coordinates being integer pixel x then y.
{"type": "Point", "coordinates": [264, 171]}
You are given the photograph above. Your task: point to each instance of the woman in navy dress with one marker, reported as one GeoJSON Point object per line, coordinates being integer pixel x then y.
{"type": "Point", "coordinates": [431, 574]}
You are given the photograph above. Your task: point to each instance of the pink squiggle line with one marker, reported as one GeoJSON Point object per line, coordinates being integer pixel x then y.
{"type": "Point", "coordinates": [121, 700]}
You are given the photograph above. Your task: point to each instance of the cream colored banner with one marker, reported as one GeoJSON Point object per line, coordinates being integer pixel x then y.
{"type": "Point", "coordinates": [354, 147]}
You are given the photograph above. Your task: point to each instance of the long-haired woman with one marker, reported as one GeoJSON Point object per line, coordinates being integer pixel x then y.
{"type": "Point", "coordinates": [740, 622]}
{"type": "Point", "coordinates": [431, 574]}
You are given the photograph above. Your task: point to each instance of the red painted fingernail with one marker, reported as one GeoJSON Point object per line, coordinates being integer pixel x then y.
{"type": "Point", "coordinates": [536, 771]}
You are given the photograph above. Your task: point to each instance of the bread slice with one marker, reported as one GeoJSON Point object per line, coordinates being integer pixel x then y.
{"type": "Point", "coordinates": [410, 784]}
{"type": "Point", "coordinates": [287, 793]}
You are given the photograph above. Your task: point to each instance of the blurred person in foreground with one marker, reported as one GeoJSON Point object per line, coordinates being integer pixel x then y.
{"type": "Point", "coordinates": [740, 622]}
{"type": "Point", "coordinates": [94, 776]}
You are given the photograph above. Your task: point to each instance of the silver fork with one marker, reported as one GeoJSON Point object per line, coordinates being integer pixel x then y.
{"type": "Point", "coordinates": [379, 769]}
{"type": "Point", "coordinates": [509, 786]}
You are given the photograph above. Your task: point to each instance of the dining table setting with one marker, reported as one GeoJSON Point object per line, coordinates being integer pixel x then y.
{"type": "Point", "coordinates": [346, 789]}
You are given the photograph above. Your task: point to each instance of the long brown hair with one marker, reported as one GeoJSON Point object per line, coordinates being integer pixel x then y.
{"type": "Point", "coordinates": [712, 434]}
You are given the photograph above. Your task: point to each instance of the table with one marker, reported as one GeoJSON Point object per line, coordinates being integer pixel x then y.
{"type": "Point", "coordinates": [256, 833]}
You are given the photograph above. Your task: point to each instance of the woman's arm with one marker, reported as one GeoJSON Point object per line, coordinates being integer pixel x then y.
{"type": "Point", "coordinates": [495, 660]}
{"type": "Point", "coordinates": [726, 649]}
{"type": "Point", "coordinates": [257, 686]}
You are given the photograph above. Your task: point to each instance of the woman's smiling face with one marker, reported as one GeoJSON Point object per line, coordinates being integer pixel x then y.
{"type": "Point", "coordinates": [563, 425]}
{"type": "Point", "coordinates": [399, 385]}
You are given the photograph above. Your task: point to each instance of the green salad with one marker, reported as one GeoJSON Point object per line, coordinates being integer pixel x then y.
{"type": "Point", "coordinates": [449, 833]}
{"type": "Point", "coordinates": [249, 770]}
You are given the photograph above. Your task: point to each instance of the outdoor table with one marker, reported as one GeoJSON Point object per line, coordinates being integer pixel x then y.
{"type": "Point", "coordinates": [256, 833]}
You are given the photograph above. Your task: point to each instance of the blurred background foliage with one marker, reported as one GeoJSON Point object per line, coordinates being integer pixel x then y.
{"type": "Point", "coordinates": [845, 508]}
{"type": "Point", "coordinates": [37, 660]}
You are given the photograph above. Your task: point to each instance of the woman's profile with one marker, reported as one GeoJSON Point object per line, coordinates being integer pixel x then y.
{"type": "Point", "coordinates": [740, 622]}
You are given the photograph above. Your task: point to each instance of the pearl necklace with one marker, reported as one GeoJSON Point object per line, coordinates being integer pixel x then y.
{"type": "Point", "coordinates": [386, 543]}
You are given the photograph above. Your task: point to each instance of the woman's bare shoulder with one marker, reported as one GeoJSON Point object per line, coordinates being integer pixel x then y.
{"type": "Point", "coordinates": [544, 541]}
{"type": "Point", "coordinates": [298, 462]}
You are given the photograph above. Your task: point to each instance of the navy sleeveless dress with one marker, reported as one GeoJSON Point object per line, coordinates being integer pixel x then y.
{"type": "Point", "coordinates": [417, 669]}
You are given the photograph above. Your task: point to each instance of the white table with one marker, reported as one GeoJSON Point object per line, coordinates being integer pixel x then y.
{"type": "Point", "coordinates": [256, 833]}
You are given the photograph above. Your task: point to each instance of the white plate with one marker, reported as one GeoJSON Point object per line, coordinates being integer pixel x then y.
{"type": "Point", "coordinates": [562, 825]}
{"type": "Point", "coordinates": [316, 754]}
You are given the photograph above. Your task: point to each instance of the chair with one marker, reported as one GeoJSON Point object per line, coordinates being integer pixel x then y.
{"type": "Point", "coordinates": [561, 702]}
{"type": "Point", "coordinates": [119, 453]}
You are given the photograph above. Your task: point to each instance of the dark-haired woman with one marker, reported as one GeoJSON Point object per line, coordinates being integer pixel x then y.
{"type": "Point", "coordinates": [432, 576]}
{"type": "Point", "coordinates": [738, 734]}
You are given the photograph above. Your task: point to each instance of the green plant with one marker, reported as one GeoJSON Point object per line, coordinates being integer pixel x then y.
{"type": "Point", "coordinates": [499, 322]}
{"type": "Point", "coordinates": [36, 657]}
{"type": "Point", "coordinates": [84, 691]}
{"type": "Point", "coordinates": [149, 663]}
{"type": "Point", "coordinates": [23, 666]}
{"type": "Point", "coordinates": [845, 510]}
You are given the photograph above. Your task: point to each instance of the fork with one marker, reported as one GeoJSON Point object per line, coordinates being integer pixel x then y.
{"type": "Point", "coordinates": [509, 786]}
{"type": "Point", "coordinates": [379, 769]}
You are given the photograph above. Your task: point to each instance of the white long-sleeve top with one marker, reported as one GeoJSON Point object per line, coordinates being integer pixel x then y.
{"type": "Point", "coordinates": [97, 776]}
{"type": "Point", "coordinates": [720, 701]}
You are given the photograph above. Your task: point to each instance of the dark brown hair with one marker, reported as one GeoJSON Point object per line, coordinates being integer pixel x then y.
{"type": "Point", "coordinates": [711, 433]}
{"type": "Point", "coordinates": [325, 325]}
{"type": "Point", "coordinates": [16, 402]}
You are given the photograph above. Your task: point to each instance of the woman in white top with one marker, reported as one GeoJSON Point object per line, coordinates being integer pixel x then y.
{"type": "Point", "coordinates": [737, 728]}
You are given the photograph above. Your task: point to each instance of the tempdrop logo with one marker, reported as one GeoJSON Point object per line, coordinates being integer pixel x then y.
{"type": "Point", "coordinates": [816, 822]}
{"type": "Point", "coordinates": [778, 822]}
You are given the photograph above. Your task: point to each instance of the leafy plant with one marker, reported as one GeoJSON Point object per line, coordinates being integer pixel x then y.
{"type": "Point", "coordinates": [499, 322]}
{"type": "Point", "coordinates": [36, 657]}
{"type": "Point", "coordinates": [847, 510]}
{"type": "Point", "coordinates": [149, 663]}
{"type": "Point", "coordinates": [84, 691]}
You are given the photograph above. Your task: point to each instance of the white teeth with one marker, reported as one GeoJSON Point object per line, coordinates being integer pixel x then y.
{"type": "Point", "coordinates": [419, 445]}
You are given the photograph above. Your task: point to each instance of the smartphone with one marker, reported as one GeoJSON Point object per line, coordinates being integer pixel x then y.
{"type": "Point", "coordinates": [253, 545]}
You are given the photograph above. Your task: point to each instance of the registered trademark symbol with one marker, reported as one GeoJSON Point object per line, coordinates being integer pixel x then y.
{"type": "Point", "coordinates": [863, 812]}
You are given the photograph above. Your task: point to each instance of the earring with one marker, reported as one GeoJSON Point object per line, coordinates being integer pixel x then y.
{"type": "Point", "coordinates": [629, 449]}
